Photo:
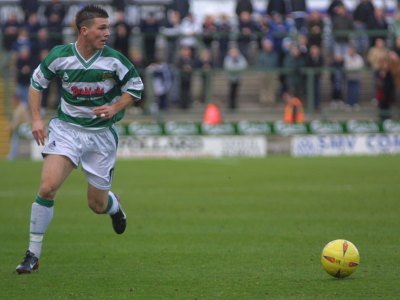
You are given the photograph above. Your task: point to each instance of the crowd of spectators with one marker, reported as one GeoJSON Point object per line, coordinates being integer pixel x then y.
{"type": "Point", "coordinates": [286, 35]}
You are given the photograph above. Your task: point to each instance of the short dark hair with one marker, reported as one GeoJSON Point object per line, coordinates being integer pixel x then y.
{"type": "Point", "coordinates": [88, 13]}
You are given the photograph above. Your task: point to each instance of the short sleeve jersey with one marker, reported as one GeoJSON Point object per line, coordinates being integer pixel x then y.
{"type": "Point", "coordinates": [86, 84]}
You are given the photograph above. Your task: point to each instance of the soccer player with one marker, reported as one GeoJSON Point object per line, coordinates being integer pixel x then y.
{"type": "Point", "coordinates": [98, 83]}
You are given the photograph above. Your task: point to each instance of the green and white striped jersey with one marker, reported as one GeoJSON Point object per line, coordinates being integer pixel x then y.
{"type": "Point", "coordinates": [86, 84]}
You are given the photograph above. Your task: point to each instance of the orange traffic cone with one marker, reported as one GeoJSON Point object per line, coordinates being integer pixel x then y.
{"type": "Point", "coordinates": [212, 115]}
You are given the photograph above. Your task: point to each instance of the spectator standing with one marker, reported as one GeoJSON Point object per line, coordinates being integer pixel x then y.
{"type": "Point", "coordinates": [20, 115]}
{"type": "Point", "coordinates": [172, 31]}
{"type": "Point", "coordinates": [332, 7]}
{"type": "Point", "coordinates": [385, 89]}
{"type": "Point", "coordinates": [190, 31]}
{"type": "Point", "coordinates": [294, 80]}
{"type": "Point", "coordinates": [378, 23]}
{"type": "Point", "coordinates": [224, 29]}
{"type": "Point", "coordinates": [337, 80]}
{"type": "Point", "coordinates": [396, 25]}
{"type": "Point", "coordinates": [362, 15]}
{"type": "Point", "coordinates": [276, 7]}
{"type": "Point", "coordinates": [122, 34]}
{"type": "Point", "coordinates": [209, 29]}
{"type": "Point", "coordinates": [316, 62]}
{"type": "Point", "coordinates": [55, 28]}
{"type": "Point", "coordinates": [33, 26]}
{"type": "Point", "coordinates": [353, 64]}
{"type": "Point", "coordinates": [315, 28]}
{"type": "Point", "coordinates": [55, 12]}
{"type": "Point", "coordinates": [24, 69]}
{"type": "Point", "coordinates": [268, 60]}
{"type": "Point", "coordinates": [394, 66]}
{"type": "Point", "coordinates": [302, 43]}
{"type": "Point", "coordinates": [140, 63]}
{"type": "Point", "coordinates": [119, 5]}
{"type": "Point", "coordinates": [279, 29]}
{"type": "Point", "coordinates": [262, 24]}
{"type": "Point", "coordinates": [57, 7]}
{"type": "Point", "coordinates": [342, 25]}
{"type": "Point", "coordinates": [29, 7]}
{"type": "Point", "coordinates": [181, 6]}
{"type": "Point", "coordinates": [162, 83]}
{"type": "Point", "coordinates": [205, 65]}
{"type": "Point", "coordinates": [149, 28]}
{"type": "Point", "coordinates": [247, 31]}
{"type": "Point", "coordinates": [39, 51]}
{"type": "Point", "coordinates": [41, 44]}
{"type": "Point", "coordinates": [234, 64]}
{"type": "Point", "coordinates": [243, 5]}
{"type": "Point", "coordinates": [10, 29]}
{"type": "Point", "coordinates": [396, 46]}
{"type": "Point", "coordinates": [186, 64]}
{"type": "Point", "coordinates": [376, 53]}
{"type": "Point", "coordinates": [22, 41]}
{"type": "Point", "coordinates": [298, 11]}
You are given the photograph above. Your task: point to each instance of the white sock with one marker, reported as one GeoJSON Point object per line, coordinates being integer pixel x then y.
{"type": "Point", "coordinates": [41, 215]}
{"type": "Point", "coordinates": [113, 204]}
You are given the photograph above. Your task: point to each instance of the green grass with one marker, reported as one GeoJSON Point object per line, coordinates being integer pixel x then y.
{"type": "Point", "coordinates": [210, 229]}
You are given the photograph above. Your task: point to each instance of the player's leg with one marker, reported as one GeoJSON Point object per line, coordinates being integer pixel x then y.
{"type": "Point", "coordinates": [98, 164]}
{"type": "Point", "coordinates": [56, 169]}
{"type": "Point", "coordinates": [106, 202]}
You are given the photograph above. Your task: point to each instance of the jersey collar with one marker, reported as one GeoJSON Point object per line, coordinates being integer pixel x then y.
{"type": "Point", "coordinates": [84, 62]}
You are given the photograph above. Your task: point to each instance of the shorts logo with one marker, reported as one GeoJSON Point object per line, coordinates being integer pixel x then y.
{"type": "Point", "coordinates": [52, 145]}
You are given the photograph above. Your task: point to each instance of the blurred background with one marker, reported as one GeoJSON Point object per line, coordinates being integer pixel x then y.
{"type": "Point", "coordinates": [220, 63]}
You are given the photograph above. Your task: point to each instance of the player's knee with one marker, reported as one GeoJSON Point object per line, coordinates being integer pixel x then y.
{"type": "Point", "coordinates": [47, 191]}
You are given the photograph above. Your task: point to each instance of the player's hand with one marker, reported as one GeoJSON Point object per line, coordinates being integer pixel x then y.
{"type": "Point", "coordinates": [104, 112]}
{"type": "Point", "coordinates": [39, 131]}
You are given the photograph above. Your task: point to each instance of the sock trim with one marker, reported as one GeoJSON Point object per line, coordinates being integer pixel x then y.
{"type": "Point", "coordinates": [109, 204]}
{"type": "Point", "coordinates": [44, 202]}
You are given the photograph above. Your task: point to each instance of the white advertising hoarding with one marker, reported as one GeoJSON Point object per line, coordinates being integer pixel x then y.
{"type": "Point", "coordinates": [183, 146]}
{"type": "Point", "coordinates": [345, 144]}
{"type": "Point", "coordinates": [192, 146]}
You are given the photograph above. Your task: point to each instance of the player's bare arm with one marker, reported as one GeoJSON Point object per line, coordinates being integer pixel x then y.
{"type": "Point", "coordinates": [38, 127]}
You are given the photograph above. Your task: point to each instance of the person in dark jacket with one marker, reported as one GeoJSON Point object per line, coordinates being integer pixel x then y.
{"type": "Point", "coordinates": [378, 23]}
{"type": "Point", "coordinates": [315, 60]}
{"type": "Point", "coordinates": [150, 27]}
{"type": "Point", "coordinates": [363, 13]}
{"type": "Point", "coordinates": [298, 10]}
{"type": "Point", "coordinates": [332, 7]}
{"type": "Point", "coordinates": [276, 6]}
{"type": "Point", "coordinates": [243, 5]}
{"type": "Point", "coordinates": [384, 89]}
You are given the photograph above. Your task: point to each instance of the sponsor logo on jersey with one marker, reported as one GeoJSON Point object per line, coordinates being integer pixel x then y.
{"type": "Point", "coordinates": [86, 91]}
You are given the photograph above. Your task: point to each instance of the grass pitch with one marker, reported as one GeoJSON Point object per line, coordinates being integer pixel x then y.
{"type": "Point", "coordinates": [210, 229]}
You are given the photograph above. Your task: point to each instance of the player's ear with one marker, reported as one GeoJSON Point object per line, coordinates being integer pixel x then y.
{"type": "Point", "coordinates": [83, 30]}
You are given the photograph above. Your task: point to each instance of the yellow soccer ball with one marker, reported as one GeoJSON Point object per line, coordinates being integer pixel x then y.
{"type": "Point", "coordinates": [340, 258]}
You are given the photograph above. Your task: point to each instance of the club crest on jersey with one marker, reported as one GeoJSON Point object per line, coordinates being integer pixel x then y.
{"type": "Point", "coordinates": [65, 77]}
{"type": "Point", "coordinates": [106, 75]}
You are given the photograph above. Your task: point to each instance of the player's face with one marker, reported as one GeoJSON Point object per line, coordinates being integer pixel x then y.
{"type": "Point", "coordinates": [98, 32]}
